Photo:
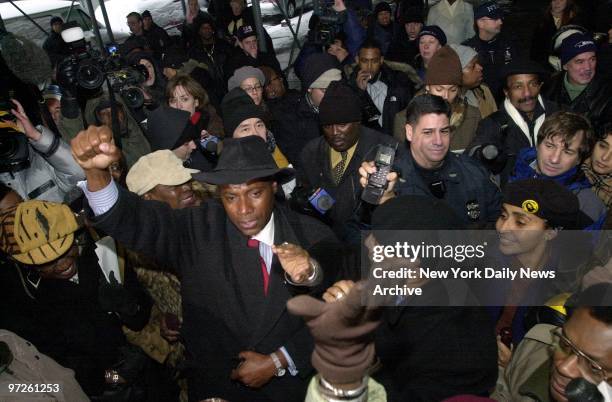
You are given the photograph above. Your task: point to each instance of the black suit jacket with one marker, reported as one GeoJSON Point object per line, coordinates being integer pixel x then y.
{"type": "Point", "coordinates": [224, 310]}
{"type": "Point", "coordinates": [315, 172]}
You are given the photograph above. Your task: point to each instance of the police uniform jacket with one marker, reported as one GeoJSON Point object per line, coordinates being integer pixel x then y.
{"type": "Point", "coordinates": [470, 192]}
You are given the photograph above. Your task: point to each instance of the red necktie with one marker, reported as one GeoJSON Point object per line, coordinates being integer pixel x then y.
{"type": "Point", "coordinates": [253, 243]}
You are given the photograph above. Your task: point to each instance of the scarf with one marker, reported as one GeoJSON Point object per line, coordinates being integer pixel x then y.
{"type": "Point", "coordinates": [602, 183]}
{"type": "Point", "coordinates": [520, 121]}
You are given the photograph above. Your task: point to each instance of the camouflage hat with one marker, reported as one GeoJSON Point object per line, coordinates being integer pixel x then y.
{"type": "Point", "coordinates": [37, 232]}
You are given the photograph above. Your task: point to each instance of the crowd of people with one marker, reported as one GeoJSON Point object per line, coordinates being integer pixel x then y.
{"type": "Point", "coordinates": [202, 233]}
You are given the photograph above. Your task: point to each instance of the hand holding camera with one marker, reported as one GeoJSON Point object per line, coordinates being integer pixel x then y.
{"type": "Point", "coordinates": [23, 122]}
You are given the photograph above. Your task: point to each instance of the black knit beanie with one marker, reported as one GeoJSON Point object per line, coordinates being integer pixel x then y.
{"type": "Point", "coordinates": [339, 105]}
{"type": "Point", "coordinates": [237, 106]}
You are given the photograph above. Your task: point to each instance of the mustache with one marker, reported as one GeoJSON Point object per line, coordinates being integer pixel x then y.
{"type": "Point", "coordinates": [527, 99]}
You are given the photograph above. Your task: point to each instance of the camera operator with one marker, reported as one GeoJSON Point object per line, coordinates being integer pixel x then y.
{"type": "Point", "coordinates": [35, 162]}
{"type": "Point", "coordinates": [336, 24]}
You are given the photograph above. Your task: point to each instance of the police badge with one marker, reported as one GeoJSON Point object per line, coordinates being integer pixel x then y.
{"type": "Point", "coordinates": [473, 209]}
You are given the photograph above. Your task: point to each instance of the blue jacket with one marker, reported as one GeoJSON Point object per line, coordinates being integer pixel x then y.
{"type": "Point", "coordinates": [574, 180]}
{"type": "Point", "coordinates": [469, 188]}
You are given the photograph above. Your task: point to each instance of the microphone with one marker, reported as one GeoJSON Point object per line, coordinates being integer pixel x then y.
{"type": "Point", "coordinates": [580, 390]}
{"type": "Point", "coordinates": [28, 61]}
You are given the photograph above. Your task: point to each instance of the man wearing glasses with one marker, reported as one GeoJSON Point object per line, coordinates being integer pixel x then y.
{"type": "Point", "coordinates": [550, 357]}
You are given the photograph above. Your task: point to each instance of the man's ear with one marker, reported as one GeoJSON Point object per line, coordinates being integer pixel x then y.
{"type": "Point", "coordinates": [274, 186]}
{"type": "Point", "coordinates": [409, 132]}
{"type": "Point", "coordinates": [357, 58]}
{"type": "Point", "coordinates": [382, 59]}
{"type": "Point", "coordinates": [550, 234]}
{"type": "Point", "coordinates": [505, 92]}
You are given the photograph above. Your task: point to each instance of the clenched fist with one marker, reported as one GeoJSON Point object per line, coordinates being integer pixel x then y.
{"type": "Point", "coordinates": [94, 148]}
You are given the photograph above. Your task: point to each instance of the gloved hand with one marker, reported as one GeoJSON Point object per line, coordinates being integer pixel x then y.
{"type": "Point", "coordinates": [115, 298]}
{"type": "Point", "coordinates": [343, 334]}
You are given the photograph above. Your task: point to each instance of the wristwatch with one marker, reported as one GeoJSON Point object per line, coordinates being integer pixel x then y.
{"type": "Point", "coordinates": [280, 370]}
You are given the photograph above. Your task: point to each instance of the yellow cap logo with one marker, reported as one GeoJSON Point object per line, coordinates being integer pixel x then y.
{"type": "Point", "coordinates": [530, 206]}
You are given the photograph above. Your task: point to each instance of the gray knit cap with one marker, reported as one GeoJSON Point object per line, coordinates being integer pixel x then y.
{"type": "Point", "coordinates": [465, 53]}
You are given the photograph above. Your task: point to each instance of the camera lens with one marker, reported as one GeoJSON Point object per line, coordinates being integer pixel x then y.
{"type": "Point", "coordinates": [8, 146]}
{"type": "Point", "coordinates": [133, 97]}
{"type": "Point", "coordinates": [89, 75]}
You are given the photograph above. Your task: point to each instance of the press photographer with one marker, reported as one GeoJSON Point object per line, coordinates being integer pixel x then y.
{"type": "Point", "coordinates": [34, 161]}
{"type": "Point", "coordinates": [119, 104]}
{"type": "Point", "coordinates": [331, 23]}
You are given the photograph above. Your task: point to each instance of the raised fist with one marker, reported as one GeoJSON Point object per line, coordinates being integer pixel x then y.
{"type": "Point", "coordinates": [94, 148]}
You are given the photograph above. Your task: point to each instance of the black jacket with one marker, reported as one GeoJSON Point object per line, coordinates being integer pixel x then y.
{"type": "Point", "coordinates": [316, 173]}
{"type": "Point", "coordinates": [214, 56]}
{"type": "Point", "coordinates": [399, 92]}
{"type": "Point", "coordinates": [469, 190]}
{"type": "Point", "coordinates": [432, 353]}
{"type": "Point", "coordinates": [64, 319]}
{"type": "Point", "coordinates": [595, 102]}
{"type": "Point", "coordinates": [493, 55]}
{"type": "Point", "coordinates": [402, 49]}
{"type": "Point", "coordinates": [56, 48]}
{"type": "Point", "coordinates": [238, 58]}
{"type": "Point", "coordinates": [294, 124]}
{"type": "Point", "coordinates": [224, 311]}
{"type": "Point", "coordinates": [500, 130]}
{"type": "Point", "coordinates": [158, 39]}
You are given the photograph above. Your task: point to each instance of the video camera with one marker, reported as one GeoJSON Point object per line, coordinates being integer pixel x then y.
{"type": "Point", "coordinates": [88, 68]}
{"type": "Point", "coordinates": [14, 149]}
{"type": "Point", "coordinates": [326, 23]}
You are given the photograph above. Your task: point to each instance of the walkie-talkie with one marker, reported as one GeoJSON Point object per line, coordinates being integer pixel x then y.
{"type": "Point", "coordinates": [377, 182]}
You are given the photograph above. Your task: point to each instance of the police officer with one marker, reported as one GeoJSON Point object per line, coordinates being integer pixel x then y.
{"type": "Point", "coordinates": [429, 169]}
{"type": "Point", "coordinates": [493, 49]}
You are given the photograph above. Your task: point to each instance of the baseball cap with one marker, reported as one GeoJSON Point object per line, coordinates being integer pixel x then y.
{"type": "Point", "coordinates": [245, 31]}
{"type": "Point", "coordinates": [490, 9]}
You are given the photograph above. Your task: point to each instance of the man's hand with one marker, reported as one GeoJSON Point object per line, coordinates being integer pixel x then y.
{"type": "Point", "coordinates": [294, 260]}
{"type": "Point", "coordinates": [255, 371]}
{"type": "Point", "coordinates": [368, 168]}
{"type": "Point", "coordinates": [339, 6]}
{"type": "Point", "coordinates": [338, 290]}
{"type": "Point", "coordinates": [363, 77]}
{"type": "Point", "coordinates": [93, 149]}
{"type": "Point", "coordinates": [23, 122]}
{"type": "Point", "coordinates": [504, 353]}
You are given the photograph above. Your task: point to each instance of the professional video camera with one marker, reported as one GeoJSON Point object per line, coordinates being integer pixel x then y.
{"type": "Point", "coordinates": [14, 149]}
{"type": "Point", "coordinates": [325, 23]}
{"type": "Point", "coordinates": [491, 156]}
{"type": "Point", "coordinates": [88, 68]}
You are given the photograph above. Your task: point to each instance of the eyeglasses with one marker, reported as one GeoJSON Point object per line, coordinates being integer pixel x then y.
{"type": "Point", "coordinates": [256, 88]}
{"type": "Point", "coordinates": [587, 365]}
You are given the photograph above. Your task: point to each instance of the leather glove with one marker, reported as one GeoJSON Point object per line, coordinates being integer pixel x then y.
{"type": "Point", "coordinates": [343, 334]}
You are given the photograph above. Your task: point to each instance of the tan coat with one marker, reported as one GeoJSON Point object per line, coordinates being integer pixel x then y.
{"type": "Point", "coordinates": [533, 351]}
